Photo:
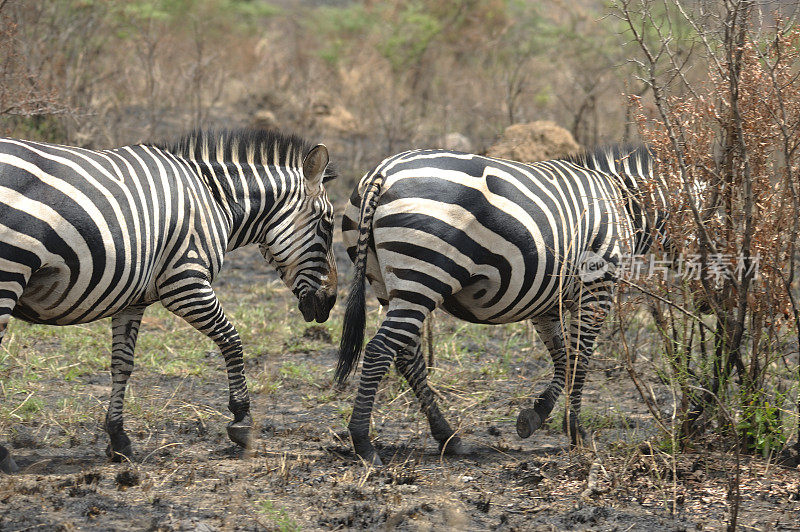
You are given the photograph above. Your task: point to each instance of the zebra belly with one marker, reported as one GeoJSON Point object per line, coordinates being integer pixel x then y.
{"type": "Point", "coordinates": [455, 308]}
{"type": "Point", "coordinates": [49, 298]}
{"type": "Point", "coordinates": [466, 304]}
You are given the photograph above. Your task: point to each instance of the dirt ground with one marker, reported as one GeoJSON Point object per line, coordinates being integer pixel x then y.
{"type": "Point", "coordinates": [301, 473]}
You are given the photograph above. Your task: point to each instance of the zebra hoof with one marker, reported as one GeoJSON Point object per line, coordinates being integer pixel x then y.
{"type": "Point", "coordinates": [372, 459]}
{"type": "Point", "coordinates": [7, 464]}
{"type": "Point", "coordinates": [120, 448]}
{"type": "Point", "coordinates": [576, 432]}
{"type": "Point", "coordinates": [118, 456]}
{"type": "Point", "coordinates": [454, 446]}
{"type": "Point", "coordinates": [576, 439]}
{"type": "Point", "coordinates": [528, 422]}
{"type": "Point", "coordinates": [368, 454]}
{"type": "Point", "coordinates": [240, 432]}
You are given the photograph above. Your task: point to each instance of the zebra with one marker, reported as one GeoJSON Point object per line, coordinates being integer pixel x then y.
{"type": "Point", "coordinates": [88, 234]}
{"type": "Point", "coordinates": [491, 241]}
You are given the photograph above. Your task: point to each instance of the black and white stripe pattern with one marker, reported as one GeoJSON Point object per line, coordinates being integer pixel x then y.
{"type": "Point", "coordinates": [89, 234]}
{"type": "Point", "coordinates": [490, 241]}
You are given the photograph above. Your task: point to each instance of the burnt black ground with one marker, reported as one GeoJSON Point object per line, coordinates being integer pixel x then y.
{"type": "Point", "coordinates": [302, 474]}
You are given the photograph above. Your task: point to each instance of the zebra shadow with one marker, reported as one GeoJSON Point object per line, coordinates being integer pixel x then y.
{"type": "Point", "coordinates": [480, 451]}
{"type": "Point", "coordinates": [66, 463]}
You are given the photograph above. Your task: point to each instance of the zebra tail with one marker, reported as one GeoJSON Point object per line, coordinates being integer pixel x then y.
{"type": "Point", "coordinates": [355, 316]}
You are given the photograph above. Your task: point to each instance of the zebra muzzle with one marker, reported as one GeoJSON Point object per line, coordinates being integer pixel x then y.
{"type": "Point", "coordinates": [316, 305]}
{"type": "Point", "coordinates": [305, 303]}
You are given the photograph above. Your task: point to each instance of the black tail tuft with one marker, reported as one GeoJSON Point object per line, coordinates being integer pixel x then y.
{"type": "Point", "coordinates": [355, 319]}
{"type": "Point", "coordinates": [355, 315]}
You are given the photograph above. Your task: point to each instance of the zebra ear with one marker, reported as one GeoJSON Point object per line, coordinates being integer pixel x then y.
{"type": "Point", "coordinates": [314, 165]}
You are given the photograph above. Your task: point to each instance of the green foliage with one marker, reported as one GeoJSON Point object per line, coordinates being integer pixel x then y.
{"type": "Point", "coordinates": [297, 371]}
{"type": "Point", "coordinates": [46, 128]}
{"type": "Point", "coordinates": [669, 445]}
{"type": "Point", "coordinates": [662, 19]}
{"type": "Point", "coordinates": [22, 408]}
{"type": "Point", "coordinates": [761, 424]}
{"type": "Point", "coordinates": [30, 407]}
{"type": "Point", "coordinates": [178, 10]}
{"type": "Point", "coordinates": [277, 516]}
{"type": "Point", "coordinates": [401, 33]}
{"type": "Point", "coordinates": [154, 10]}
{"type": "Point", "coordinates": [409, 36]}
{"type": "Point", "coordinates": [340, 29]}
{"type": "Point", "coordinates": [528, 33]}
{"type": "Point", "coordinates": [176, 16]}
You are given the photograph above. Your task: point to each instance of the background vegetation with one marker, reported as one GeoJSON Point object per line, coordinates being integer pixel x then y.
{"type": "Point", "coordinates": [373, 77]}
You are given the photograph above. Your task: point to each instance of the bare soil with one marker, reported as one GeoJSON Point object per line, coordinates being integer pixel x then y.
{"type": "Point", "coordinates": [302, 474]}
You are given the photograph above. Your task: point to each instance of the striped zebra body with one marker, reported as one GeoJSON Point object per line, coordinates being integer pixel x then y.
{"type": "Point", "coordinates": [90, 234]}
{"type": "Point", "coordinates": [489, 241]}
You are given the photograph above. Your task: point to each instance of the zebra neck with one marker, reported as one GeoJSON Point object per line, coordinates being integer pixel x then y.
{"type": "Point", "coordinates": [630, 196]}
{"type": "Point", "coordinates": [244, 197]}
{"type": "Point", "coordinates": [639, 216]}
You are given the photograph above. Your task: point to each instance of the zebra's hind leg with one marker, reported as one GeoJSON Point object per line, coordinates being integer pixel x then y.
{"type": "Point", "coordinates": [377, 359]}
{"type": "Point", "coordinates": [550, 329]}
{"type": "Point", "coordinates": [399, 332]}
{"type": "Point", "coordinates": [412, 367]}
{"type": "Point", "coordinates": [124, 329]}
{"type": "Point", "coordinates": [7, 464]}
{"type": "Point", "coordinates": [198, 305]}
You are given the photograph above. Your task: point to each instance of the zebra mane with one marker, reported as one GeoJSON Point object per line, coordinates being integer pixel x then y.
{"type": "Point", "coordinates": [617, 159]}
{"type": "Point", "coordinates": [244, 145]}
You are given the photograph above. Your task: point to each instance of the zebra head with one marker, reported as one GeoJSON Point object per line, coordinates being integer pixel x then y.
{"type": "Point", "coordinates": [299, 243]}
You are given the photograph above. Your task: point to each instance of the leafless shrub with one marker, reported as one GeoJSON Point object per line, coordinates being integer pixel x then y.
{"type": "Point", "coordinates": [723, 118]}
{"type": "Point", "coordinates": [22, 94]}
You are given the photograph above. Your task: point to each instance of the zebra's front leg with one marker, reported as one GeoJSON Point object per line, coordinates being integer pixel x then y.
{"type": "Point", "coordinates": [585, 325]}
{"type": "Point", "coordinates": [124, 329]}
{"type": "Point", "coordinates": [198, 305]}
{"type": "Point", "coordinates": [411, 365]}
{"type": "Point", "coordinates": [12, 290]}
{"type": "Point", "coordinates": [576, 376]}
{"type": "Point", "coordinates": [551, 331]}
